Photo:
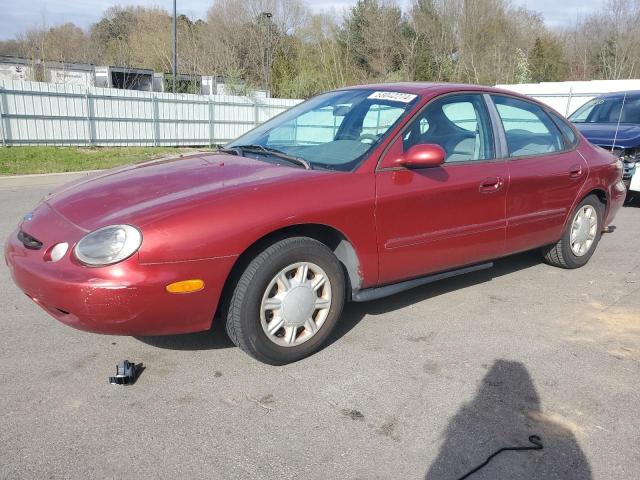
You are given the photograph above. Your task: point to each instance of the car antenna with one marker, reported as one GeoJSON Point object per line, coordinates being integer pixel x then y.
{"type": "Point", "coordinates": [615, 136]}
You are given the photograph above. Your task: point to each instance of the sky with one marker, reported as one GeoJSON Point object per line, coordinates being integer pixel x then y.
{"type": "Point", "coordinates": [18, 16]}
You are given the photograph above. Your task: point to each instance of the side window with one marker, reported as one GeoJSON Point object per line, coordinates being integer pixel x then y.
{"type": "Point", "coordinates": [458, 123]}
{"type": "Point", "coordinates": [461, 114]}
{"type": "Point", "coordinates": [528, 129]}
{"type": "Point", "coordinates": [564, 127]}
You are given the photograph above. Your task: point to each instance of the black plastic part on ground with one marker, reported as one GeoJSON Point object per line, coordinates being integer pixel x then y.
{"type": "Point", "coordinates": [126, 373]}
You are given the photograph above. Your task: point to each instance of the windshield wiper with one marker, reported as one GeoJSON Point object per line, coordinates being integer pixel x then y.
{"type": "Point", "coordinates": [268, 151]}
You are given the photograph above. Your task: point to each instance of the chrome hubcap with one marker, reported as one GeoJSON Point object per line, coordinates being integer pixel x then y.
{"type": "Point", "coordinates": [295, 304]}
{"type": "Point", "coordinates": [583, 230]}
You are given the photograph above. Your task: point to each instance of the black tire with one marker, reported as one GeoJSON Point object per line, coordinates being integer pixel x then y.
{"type": "Point", "coordinates": [243, 312]}
{"type": "Point", "coordinates": [560, 253]}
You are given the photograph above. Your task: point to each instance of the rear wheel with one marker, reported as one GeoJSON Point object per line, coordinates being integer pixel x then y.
{"type": "Point", "coordinates": [580, 238]}
{"type": "Point", "coordinates": [287, 301]}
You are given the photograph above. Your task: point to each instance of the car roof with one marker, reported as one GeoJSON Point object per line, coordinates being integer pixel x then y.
{"type": "Point", "coordinates": [628, 93]}
{"type": "Point", "coordinates": [433, 88]}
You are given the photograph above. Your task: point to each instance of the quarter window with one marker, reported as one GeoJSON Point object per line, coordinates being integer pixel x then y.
{"type": "Point", "coordinates": [567, 131]}
{"type": "Point", "coordinates": [528, 129]}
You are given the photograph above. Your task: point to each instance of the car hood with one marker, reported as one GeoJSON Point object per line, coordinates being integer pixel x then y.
{"type": "Point", "coordinates": [142, 193]}
{"type": "Point", "coordinates": [602, 134]}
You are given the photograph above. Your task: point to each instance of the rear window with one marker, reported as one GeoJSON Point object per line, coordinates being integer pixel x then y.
{"type": "Point", "coordinates": [528, 128]}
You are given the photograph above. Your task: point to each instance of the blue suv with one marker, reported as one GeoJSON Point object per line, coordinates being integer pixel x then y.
{"type": "Point", "coordinates": [601, 122]}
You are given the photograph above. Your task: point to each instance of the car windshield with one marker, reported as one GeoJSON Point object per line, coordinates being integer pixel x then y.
{"type": "Point", "coordinates": [607, 110]}
{"type": "Point", "coordinates": [335, 130]}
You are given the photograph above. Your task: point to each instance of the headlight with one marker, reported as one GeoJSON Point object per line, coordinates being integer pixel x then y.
{"type": "Point", "coordinates": [629, 155]}
{"type": "Point", "coordinates": [108, 245]}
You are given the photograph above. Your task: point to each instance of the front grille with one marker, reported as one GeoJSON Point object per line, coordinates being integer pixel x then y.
{"type": "Point", "coordinates": [28, 241]}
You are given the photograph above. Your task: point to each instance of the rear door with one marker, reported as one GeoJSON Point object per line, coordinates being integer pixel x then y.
{"type": "Point", "coordinates": [545, 171]}
{"type": "Point", "coordinates": [438, 218]}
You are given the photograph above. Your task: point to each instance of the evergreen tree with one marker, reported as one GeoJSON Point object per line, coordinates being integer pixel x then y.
{"type": "Point", "coordinates": [546, 61]}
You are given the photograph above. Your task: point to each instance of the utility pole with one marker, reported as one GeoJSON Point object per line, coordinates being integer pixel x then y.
{"type": "Point", "coordinates": [175, 53]}
{"type": "Point", "coordinates": [268, 52]}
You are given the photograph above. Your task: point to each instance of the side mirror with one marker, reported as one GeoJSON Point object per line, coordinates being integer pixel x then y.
{"type": "Point", "coordinates": [422, 156]}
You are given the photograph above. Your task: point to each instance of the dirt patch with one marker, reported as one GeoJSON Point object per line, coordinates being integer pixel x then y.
{"type": "Point", "coordinates": [352, 414]}
{"type": "Point", "coordinates": [624, 353]}
{"type": "Point", "coordinates": [619, 320]}
{"type": "Point", "coordinates": [186, 399]}
{"type": "Point", "coordinates": [555, 423]}
{"type": "Point", "coordinates": [423, 338]}
{"type": "Point", "coordinates": [608, 322]}
{"type": "Point", "coordinates": [85, 361]}
{"type": "Point", "coordinates": [389, 429]}
{"type": "Point", "coordinates": [431, 366]}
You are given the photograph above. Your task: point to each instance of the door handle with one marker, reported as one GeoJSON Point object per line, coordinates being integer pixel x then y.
{"type": "Point", "coordinates": [491, 184]}
{"type": "Point", "coordinates": [575, 172]}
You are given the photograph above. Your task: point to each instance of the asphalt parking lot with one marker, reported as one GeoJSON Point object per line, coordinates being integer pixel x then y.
{"type": "Point", "coordinates": [424, 384]}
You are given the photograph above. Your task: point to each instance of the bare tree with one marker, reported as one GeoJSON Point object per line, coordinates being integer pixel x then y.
{"type": "Point", "coordinates": [282, 46]}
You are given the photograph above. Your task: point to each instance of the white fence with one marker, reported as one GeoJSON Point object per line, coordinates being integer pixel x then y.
{"type": "Point", "coordinates": [567, 97]}
{"type": "Point", "coordinates": [35, 113]}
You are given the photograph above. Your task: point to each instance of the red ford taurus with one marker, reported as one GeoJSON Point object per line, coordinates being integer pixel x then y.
{"type": "Point", "coordinates": [351, 195]}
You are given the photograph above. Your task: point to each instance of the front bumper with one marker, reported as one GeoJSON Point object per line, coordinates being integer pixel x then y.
{"type": "Point", "coordinates": [128, 298]}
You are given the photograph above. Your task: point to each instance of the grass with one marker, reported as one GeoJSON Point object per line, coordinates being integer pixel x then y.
{"type": "Point", "coordinates": [25, 160]}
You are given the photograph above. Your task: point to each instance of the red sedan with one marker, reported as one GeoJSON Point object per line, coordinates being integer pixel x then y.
{"type": "Point", "coordinates": [351, 195]}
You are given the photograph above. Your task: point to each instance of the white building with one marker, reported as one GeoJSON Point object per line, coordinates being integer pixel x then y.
{"type": "Point", "coordinates": [88, 75]}
{"type": "Point", "coordinates": [15, 68]}
{"type": "Point", "coordinates": [124, 77]}
{"type": "Point", "coordinates": [567, 97]}
{"type": "Point", "coordinates": [70, 73]}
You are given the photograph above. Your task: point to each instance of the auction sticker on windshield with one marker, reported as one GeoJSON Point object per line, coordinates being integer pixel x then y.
{"type": "Point", "coordinates": [392, 96]}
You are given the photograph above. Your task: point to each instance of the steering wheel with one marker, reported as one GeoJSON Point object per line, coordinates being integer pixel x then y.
{"type": "Point", "coordinates": [368, 136]}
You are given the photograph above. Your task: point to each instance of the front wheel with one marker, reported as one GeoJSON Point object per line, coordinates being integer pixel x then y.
{"type": "Point", "coordinates": [580, 238]}
{"type": "Point", "coordinates": [287, 301]}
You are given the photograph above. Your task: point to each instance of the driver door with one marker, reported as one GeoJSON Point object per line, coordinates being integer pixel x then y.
{"type": "Point", "coordinates": [439, 218]}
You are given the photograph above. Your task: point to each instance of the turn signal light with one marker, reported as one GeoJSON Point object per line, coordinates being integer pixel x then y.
{"type": "Point", "coordinates": [185, 286]}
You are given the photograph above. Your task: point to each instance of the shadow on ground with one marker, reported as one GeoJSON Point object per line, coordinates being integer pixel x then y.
{"type": "Point", "coordinates": [355, 312]}
{"type": "Point", "coordinates": [217, 338]}
{"type": "Point", "coordinates": [213, 339]}
{"type": "Point", "coordinates": [505, 412]}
